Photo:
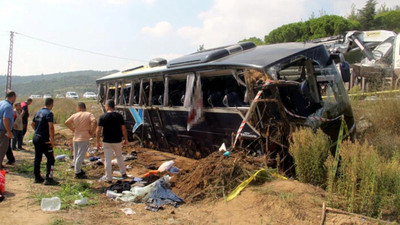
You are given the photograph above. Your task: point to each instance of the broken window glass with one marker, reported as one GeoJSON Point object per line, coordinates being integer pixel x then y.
{"type": "Point", "coordinates": [176, 91]}
{"type": "Point", "coordinates": [158, 93]}
{"type": "Point", "coordinates": [223, 91]}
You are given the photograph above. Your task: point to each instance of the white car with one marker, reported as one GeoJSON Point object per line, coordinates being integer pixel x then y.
{"type": "Point", "coordinates": [72, 94]}
{"type": "Point", "coordinates": [89, 95]}
{"type": "Point", "coordinates": [47, 96]}
{"type": "Point", "coordinates": [35, 96]}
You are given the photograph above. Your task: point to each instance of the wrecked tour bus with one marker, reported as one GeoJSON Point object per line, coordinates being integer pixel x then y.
{"type": "Point", "coordinates": [246, 96]}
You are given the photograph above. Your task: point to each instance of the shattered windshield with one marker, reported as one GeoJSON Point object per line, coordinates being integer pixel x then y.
{"type": "Point", "coordinates": [315, 87]}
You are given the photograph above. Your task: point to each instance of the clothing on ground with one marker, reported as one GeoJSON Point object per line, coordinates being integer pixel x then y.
{"type": "Point", "coordinates": [161, 195]}
{"type": "Point", "coordinates": [111, 123]}
{"type": "Point", "coordinates": [83, 122]}
{"type": "Point", "coordinates": [42, 119]}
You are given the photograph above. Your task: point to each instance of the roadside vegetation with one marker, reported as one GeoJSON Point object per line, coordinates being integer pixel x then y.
{"type": "Point", "coordinates": [367, 180]}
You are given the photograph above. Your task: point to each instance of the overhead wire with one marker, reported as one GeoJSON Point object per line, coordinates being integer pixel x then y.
{"type": "Point", "coordinates": [77, 49]}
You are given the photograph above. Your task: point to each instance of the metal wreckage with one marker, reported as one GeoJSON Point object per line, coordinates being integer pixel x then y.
{"type": "Point", "coordinates": [246, 96]}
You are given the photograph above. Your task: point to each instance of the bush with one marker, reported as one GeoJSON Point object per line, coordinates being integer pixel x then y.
{"type": "Point", "coordinates": [384, 117]}
{"type": "Point", "coordinates": [310, 151]}
{"type": "Point", "coordinates": [366, 184]}
{"type": "Point", "coordinates": [358, 181]}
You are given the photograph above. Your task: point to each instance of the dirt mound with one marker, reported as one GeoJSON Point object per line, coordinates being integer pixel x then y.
{"type": "Point", "coordinates": [216, 175]}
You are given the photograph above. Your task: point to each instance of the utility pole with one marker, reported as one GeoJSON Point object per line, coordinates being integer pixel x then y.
{"type": "Point", "coordinates": [10, 54]}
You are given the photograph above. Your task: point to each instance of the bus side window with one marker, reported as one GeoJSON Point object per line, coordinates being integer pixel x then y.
{"type": "Point", "coordinates": [126, 93]}
{"type": "Point", "coordinates": [158, 93]}
{"type": "Point", "coordinates": [176, 92]}
{"type": "Point", "coordinates": [222, 91]}
{"type": "Point", "coordinates": [145, 93]}
{"type": "Point", "coordinates": [111, 93]}
{"type": "Point", "coordinates": [136, 90]}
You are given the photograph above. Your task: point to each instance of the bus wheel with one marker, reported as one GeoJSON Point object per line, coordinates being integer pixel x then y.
{"type": "Point", "coordinates": [137, 141]}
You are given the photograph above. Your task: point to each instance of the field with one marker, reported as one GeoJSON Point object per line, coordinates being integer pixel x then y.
{"type": "Point", "coordinates": [204, 184]}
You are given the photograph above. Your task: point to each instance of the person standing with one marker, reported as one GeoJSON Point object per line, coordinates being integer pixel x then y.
{"type": "Point", "coordinates": [25, 115]}
{"type": "Point", "coordinates": [111, 124]}
{"type": "Point", "coordinates": [18, 127]}
{"type": "Point", "coordinates": [43, 140]}
{"type": "Point", "coordinates": [83, 125]}
{"type": "Point", "coordinates": [6, 124]}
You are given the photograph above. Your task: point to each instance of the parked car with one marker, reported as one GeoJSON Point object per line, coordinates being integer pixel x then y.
{"type": "Point", "coordinates": [89, 95]}
{"type": "Point", "coordinates": [47, 96]}
{"type": "Point", "coordinates": [72, 94]}
{"type": "Point", "coordinates": [35, 96]}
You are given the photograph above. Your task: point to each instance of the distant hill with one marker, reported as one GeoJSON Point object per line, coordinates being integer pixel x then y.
{"type": "Point", "coordinates": [57, 83]}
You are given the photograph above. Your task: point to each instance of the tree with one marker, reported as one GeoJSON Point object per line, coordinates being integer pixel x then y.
{"type": "Point", "coordinates": [201, 48]}
{"type": "Point", "coordinates": [353, 13]}
{"type": "Point", "coordinates": [388, 20]}
{"type": "Point", "coordinates": [255, 40]}
{"type": "Point", "coordinates": [324, 26]}
{"type": "Point", "coordinates": [367, 15]}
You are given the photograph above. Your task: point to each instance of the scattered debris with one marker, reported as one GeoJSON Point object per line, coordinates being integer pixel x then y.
{"type": "Point", "coordinates": [166, 166]}
{"type": "Point", "coordinates": [128, 211]}
{"type": "Point", "coordinates": [161, 195]}
{"type": "Point", "coordinates": [227, 154]}
{"type": "Point", "coordinates": [174, 170]}
{"type": "Point", "coordinates": [222, 148]}
{"type": "Point", "coordinates": [62, 157]}
{"type": "Point", "coordinates": [94, 158]}
{"type": "Point", "coordinates": [50, 204]}
{"type": "Point", "coordinates": [82, 201]}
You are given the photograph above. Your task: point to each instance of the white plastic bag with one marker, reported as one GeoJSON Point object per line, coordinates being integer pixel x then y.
{"type": "Point", "coordinates": [50, 204]}
{"type": "Point", "coordinates": [166, 166]}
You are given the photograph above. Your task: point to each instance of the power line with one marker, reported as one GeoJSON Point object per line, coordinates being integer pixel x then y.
{"type": "Point", "coordinates": [78, 49]}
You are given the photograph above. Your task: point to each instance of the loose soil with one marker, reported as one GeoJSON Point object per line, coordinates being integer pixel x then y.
{"type": "Point", "coordinates": [201, 183]}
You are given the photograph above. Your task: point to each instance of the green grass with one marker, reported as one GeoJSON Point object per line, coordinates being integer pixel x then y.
{"type": "Point", "coordinates": [58, 221]}
{"type": "Point", "coordinates": [69, 189]}
{"type": "Point", "coordinates": [26, 167]}
{"type": "Point", "coordinates": [69, 192]}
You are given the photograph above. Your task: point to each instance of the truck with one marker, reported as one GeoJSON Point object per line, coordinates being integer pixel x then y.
{"type": "Point", "coordinates": [374, 57]}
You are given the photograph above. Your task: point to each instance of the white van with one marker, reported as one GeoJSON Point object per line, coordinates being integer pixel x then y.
{"type": "Point", "coordinates": [72, 94]}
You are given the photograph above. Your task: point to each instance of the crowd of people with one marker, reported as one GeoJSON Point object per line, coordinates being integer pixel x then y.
{"type": "Point", "coordinates": [14, 118]}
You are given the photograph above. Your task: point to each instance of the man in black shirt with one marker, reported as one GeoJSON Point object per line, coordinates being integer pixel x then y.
{"type": "Point", "coordinates": [113, 127]}
{"type": "Point", "coordinates": [43, 140]}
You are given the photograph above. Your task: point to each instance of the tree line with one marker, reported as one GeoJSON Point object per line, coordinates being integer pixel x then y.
{"type": "Point", "coordinates": [366, 18]}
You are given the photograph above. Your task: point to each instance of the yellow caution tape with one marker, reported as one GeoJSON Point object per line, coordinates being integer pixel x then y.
{"type": "Point", "coordinates": [374, 93]}
{"type": "Point", "coordinates": [343, 127]}
{"type": "Point", "coordinates": [277, 175]}
{"type": "Point", "coordinates": [370, 93]}
{"type": "Point", "coordinates": [241, 186]}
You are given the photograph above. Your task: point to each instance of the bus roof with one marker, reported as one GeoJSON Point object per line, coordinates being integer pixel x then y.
{"type": "Point", "coordinates": [239, 55]}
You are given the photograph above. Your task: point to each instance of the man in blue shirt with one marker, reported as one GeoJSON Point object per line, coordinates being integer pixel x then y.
{"type": "Point", "coordinates": [6, 124]}
{"type": "Point", "coordinates": [43, 140]}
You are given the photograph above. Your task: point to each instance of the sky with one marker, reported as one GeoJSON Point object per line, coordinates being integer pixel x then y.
{"type": "Point", "coordinates": [135, 31]}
